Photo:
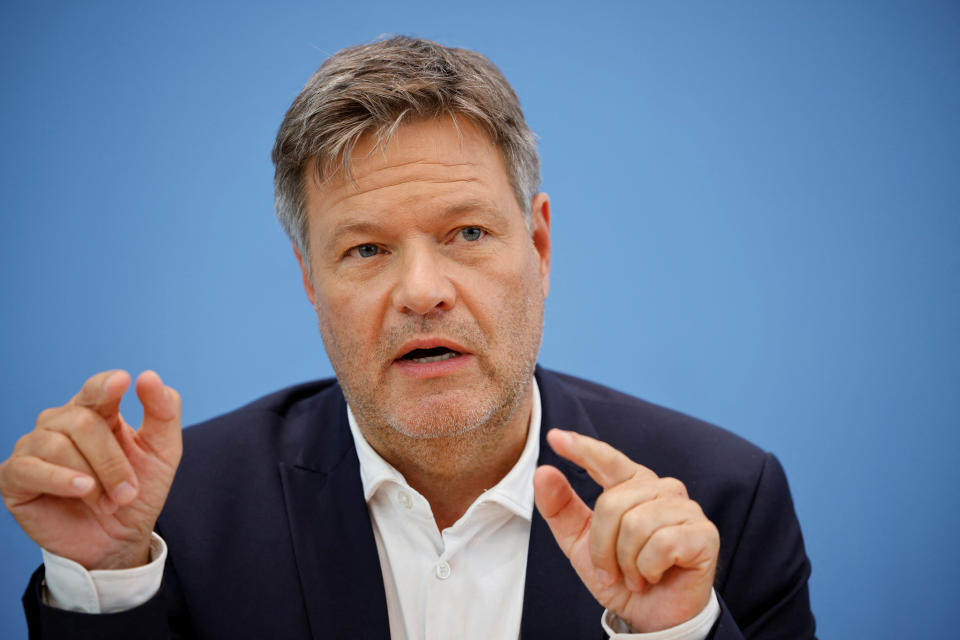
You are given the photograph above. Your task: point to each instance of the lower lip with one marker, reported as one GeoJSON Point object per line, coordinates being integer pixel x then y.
{"type": "Point", "coordinates": [432, 369]}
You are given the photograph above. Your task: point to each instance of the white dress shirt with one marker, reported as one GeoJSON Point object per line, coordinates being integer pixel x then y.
{"type": "Point", "coordinates": [467, 580]}
{"type": "Point", "coordinates": [464, 582]}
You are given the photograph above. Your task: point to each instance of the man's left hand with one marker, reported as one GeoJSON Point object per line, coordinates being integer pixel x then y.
{"type": "Point", "coordinates": [646, 552]}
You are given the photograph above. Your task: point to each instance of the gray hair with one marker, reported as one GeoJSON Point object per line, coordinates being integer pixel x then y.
{"type": "Point", "coordinates": [373, 88]}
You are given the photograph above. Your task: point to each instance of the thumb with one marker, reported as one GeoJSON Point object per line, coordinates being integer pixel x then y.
{"type": "Point", "coordinates": [161, 413]}
{"type": "Point", "coordinates": [566, 514]}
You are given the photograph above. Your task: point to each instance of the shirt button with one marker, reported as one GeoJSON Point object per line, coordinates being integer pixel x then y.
{"type": "Point", "coordinates": [405, 500]}
{"type": "Point", "coordinates": [443, 570]}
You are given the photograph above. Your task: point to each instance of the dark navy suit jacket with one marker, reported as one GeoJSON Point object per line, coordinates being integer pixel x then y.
{"type": "Point", "coordinates": [269, 535]}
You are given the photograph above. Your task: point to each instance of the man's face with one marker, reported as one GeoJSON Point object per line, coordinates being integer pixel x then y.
{"type": "Point", "coordinates": [427, 283]}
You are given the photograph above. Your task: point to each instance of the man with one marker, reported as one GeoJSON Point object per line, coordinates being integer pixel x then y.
{"type": "Point", "coordinates": [398, 500]}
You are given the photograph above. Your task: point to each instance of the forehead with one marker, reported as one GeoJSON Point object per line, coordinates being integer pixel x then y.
{"type": "Point", "coordinates": [425, 163]}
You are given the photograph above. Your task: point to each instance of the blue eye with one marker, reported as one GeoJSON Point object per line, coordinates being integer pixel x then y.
{"type": "Point", "coordinates": [472, 234]}
{"type": "Point", "coordinates": [367, 250]}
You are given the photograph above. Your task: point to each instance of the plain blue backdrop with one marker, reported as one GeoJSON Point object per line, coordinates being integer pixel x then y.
{"type": "Point", "coordinates": [756, 215]}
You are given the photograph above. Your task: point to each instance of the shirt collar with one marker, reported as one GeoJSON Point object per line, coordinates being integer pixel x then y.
{"type": "Point", "coordinates": [514, 491]}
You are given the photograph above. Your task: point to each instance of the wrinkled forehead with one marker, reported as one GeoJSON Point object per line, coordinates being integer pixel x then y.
{"type": "Point", "coordinates": [409, 135]}
{"type": "Point", "coordinates": [417, 158]}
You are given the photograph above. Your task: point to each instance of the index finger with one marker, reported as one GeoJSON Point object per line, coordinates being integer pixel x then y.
{"type": "Point", "coordinates": [102, 393]}
{"type": "Point", "coordinates": [607, 466]}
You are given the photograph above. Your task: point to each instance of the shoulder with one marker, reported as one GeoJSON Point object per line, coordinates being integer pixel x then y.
{"type": "Point", "coordinates": [714, 463]}
{"type": "Point", "coordinates": [635, 424]}
{"type": "Point", "coordinates": [232, 458]}
{"type": "Point", "coordinates": [261, 417]}
{"type": "Point", "coordinates": [741, 488]}
{"type": "Point", "coordinates": [255, 437]}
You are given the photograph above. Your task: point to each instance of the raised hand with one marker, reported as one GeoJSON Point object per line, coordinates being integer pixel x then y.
{"type": "Point", "coordinates": [87, 486]}
{"type": "Point", "coordinates": [646, 552]}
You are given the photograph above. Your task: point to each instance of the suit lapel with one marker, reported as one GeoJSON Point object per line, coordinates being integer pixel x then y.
{"type": "Point", "coordinates": [556, 604]}
{"type": "Point", "coordinates": [336, 554]}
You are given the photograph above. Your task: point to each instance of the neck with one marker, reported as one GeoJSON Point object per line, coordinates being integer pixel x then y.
{"type": "Point", "coordinates": [452, 471]}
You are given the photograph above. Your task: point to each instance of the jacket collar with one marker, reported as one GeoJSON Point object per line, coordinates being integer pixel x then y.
{"type": "Point", "coordinates": [556, 604]}
{"type": "Point", "coordinates": [336, 554]}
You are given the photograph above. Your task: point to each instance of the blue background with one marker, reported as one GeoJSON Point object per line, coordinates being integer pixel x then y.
{"type": "Point", "coordinates": [756, 212]}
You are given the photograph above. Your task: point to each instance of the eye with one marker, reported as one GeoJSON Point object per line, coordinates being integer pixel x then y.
{"type": "Point", "coordinates": [366, 250]}
{"type": "Point", "coordinates": [472, 234]}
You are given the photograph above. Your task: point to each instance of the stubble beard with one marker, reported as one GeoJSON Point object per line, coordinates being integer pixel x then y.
{"type": "Point", "coordinates": [446, 416]}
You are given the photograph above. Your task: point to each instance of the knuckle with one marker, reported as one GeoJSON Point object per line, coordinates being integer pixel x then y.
{"type": "Point", "coordinates": [708, 531]}
{"type": "Point", "coordinates": [637, 491]}
{"type": "Point", "coordinates": [696, 511]}
{"type": "Point", "coordinates": [642, 489]}
{"type": "Point", "coordinates": [56, 446]}
{"type": "Point", "coordinates": [85, 423]}
{"type": "Point", "coordinates": [24, 442]}
{"type": "Point", "coordinates": [672, 487]}
{"type": "Point", "coordinates": [112, 468]}
{"type": "Point", "coordinates": [47, 415]}
{"type": "Point", "coordinates": [52, 476]}
{"type": "Point", "coordinates": [661, 541]}
{"type": "Point", "coordinates": [606, 505]}
{"type": "Point", "coordinates": [645, 475]}
{"type": "Point", "coordinates": [12, 472]}
{"type": "Point", "coordinates": [629, 524]}
{"type": "Point", "coordinates": [632, 524]}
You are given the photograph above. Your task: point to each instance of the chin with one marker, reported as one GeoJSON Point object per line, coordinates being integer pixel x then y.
{"type": "Point", "coordinates": [449, 424]}
{"type": "Point", "coordinates": [444, 417]}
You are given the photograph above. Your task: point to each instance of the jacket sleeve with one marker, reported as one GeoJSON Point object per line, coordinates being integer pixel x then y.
{"type": "Point", "coordinates": [160, 618]}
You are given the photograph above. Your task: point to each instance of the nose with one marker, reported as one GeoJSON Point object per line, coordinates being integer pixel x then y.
{"type": "Point", "coordinates": [423, 286]}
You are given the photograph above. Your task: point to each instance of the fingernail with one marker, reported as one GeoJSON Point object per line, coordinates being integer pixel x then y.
{"type": "Point", "coordinates": [82, 484]}
{"type": "Point", "coordinates": [124, 493]}
{"type": "Point", "coordinates": [604, 578]}
{"type": "Point", "coordinates": [107, 505]}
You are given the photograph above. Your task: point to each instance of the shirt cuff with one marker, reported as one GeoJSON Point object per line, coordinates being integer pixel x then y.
{"type": "Point", "coordinates": [69, 586]}
{"type": "Point", "coordinates": [696, 628]}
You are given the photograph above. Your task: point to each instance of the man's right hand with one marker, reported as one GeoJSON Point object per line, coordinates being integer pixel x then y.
{"type": "Point", "coordinates": [84, 484]}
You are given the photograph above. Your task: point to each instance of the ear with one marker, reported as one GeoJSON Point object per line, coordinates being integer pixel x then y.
{"type": "Point", "coordinates": [540, 228]}
{"type": "Point", "coordinates": [305, 274]}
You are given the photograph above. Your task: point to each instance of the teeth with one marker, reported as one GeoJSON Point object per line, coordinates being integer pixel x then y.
{"type": "Point", "coordinates": [445, 356]}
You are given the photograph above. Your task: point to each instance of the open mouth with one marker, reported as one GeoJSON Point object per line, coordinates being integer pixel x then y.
{"type": "Point", "coordinates": [435, 354]}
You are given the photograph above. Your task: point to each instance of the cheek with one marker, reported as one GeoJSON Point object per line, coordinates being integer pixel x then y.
{"type": "Point", "coordinates": [502, 298]}
{"type": "Point", "coordinates": [348, 317]}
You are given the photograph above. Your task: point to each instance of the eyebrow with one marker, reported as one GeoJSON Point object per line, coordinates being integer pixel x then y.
{"type": "Point", "coordinates": [454, 210]}
{"type": "Point", "coordinates": [348, 228]}
{"type": "Point", "coordinates": [467, 206]}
